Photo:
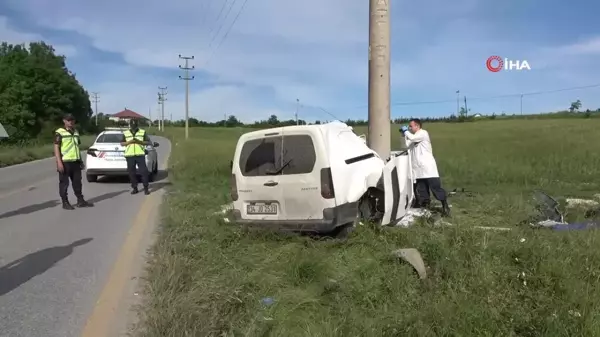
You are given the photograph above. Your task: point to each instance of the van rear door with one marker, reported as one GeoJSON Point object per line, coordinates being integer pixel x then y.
{"type": "Point", "coordinates": [303, 159]}
{"type": "Point", "coordinates": [258, 185]}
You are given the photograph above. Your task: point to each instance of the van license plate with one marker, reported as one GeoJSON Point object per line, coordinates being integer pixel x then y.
{"type": "Point", "coordinates": [262, 209]}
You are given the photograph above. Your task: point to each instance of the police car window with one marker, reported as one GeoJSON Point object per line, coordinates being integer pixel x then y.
{"type": "Point", "coordinates": [259, 157]}
{"type": "Point", "coordinates": [110, 138]}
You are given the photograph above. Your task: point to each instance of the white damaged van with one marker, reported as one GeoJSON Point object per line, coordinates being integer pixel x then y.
{"type": "Point", "coordinates": [316, 178]}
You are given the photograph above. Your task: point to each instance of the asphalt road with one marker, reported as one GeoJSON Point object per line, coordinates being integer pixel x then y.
{"type": "Point", "coordinates": [55, 263]}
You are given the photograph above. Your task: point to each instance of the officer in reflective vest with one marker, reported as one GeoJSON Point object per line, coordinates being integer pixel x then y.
{"type": "Point", "coordinates": [135, 141]}
{"type": "Point", "coordinates": [68, 162]}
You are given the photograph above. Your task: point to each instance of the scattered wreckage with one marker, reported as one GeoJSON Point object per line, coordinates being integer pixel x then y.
{"type": "Point", "coordinates": [551, 217]}
{"type": "Point", "coordinates": [316, 178]}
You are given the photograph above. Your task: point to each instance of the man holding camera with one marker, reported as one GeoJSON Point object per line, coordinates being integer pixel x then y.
{"type": "Point", "coordinates": [424, 166]}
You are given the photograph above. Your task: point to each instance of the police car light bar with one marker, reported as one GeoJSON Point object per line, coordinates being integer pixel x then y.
{"type": "Point", "coordinates": [116, 128]}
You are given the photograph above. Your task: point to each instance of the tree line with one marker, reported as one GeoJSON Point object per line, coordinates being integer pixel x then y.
{"type": "Point", "coordinates": [273, 121]}
{"type": "Point", "coordinates": [36, 90]}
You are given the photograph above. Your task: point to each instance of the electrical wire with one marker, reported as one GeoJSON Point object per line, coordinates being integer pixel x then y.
{"type": "Point", "coordinates": [224, 20]}
{"type": "Point", "coordinates": [218, 17]}
{"type": "Point", "coordinates": [470, 99]}
{"type": "Point", "coordinates": [227, 32]}
{"type": "Point", "coordinates": [488, 97]}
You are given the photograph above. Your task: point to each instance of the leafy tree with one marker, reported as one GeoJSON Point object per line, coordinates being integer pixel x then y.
{"type": "Point", "coordinates": [232, 121]}
{"type": "Point", "coordinates": [36, 89]}
{"type": "Point", "coordinates": [575, 106]}
{"type": "Point", "coordinates": [273, 120]}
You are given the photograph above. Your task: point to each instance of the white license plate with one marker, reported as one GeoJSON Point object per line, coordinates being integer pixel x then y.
{"type": "Point", "coordinates": [262, 209]}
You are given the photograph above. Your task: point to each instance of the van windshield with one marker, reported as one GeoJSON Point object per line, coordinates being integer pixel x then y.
{"type": "Point", "coordinates": [293, 154]}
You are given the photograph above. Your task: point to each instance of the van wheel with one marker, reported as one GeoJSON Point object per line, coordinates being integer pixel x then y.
{"type": "Point", "coordinates": [367, 210]}
{"type": "Point", "coordinates": [152, 174]}
{"type": "Point", "coordinates": [91, 178]}
{"type": "Point", "coordinates": [370, 206]}
{"type": "Point", "coordinates": [342, 232]}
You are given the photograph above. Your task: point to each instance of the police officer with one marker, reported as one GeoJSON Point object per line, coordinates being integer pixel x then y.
{"type": "Point", "coordinates": [134, 141]}
{"type": "Point", "coordinates": [68, 162]}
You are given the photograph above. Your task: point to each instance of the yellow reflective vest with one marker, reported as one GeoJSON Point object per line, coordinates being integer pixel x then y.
{"type": "Point", "coordinates": [134, 149]}
{"type": "Point", "coordinates": [69, 146]}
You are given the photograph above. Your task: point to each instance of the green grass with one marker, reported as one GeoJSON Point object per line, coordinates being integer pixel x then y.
{"type": "Point", "coordinates": [13, 154]}
{"type": "Point", "coordinates": [207, 278]}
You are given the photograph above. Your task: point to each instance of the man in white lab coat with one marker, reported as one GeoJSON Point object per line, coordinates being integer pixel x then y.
{"type": "Point", "coordinates": [424, 167]}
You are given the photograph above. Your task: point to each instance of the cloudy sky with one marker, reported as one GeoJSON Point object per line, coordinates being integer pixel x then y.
{"type": "Point", "coordinates": [316, 51]}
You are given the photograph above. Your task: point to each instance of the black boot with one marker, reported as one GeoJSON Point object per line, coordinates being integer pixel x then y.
{"type": "Point", "coordinates": [67, 205]}
{"type": "Point", "coordinates": [445, 208]}
{"type": "Point", "coordinates": [82, 203]}
{"type": "Point", "coordinates": [146, 191]}
{"type": "Point", "coordinates": [135, 191]}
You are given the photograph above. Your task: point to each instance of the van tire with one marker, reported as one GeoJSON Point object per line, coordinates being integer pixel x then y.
{"type": "Point", "coordinates": [152, 173]}
{"type": "Point", "coordinates": [342, 232]}
{"type": "Point", "coordinates": [369, 209]}
{"type": "Point", "coordinates": [91, 178]}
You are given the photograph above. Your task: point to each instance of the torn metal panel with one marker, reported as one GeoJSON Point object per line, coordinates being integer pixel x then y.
{"type": "Point", "coordinates": [354, 166]}
{"type": "Point", "coordinates": [398, 188]}
{"type": "Point", "coordinates": [547, 206]}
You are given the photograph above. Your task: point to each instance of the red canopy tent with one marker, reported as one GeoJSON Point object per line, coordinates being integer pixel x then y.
{"type": "Point", "coordinates": [128, 114]}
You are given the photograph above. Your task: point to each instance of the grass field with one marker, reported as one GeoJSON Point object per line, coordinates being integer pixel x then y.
{"type": "Point", "coordinates": [207, 278]}
{"type": "Point", "coordinates": [12, 155]}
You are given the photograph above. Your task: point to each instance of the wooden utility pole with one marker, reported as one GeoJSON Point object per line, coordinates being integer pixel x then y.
{"type": "Point", "coordinates": [187, 80]}
{"type": "Point", "coordinates": [379, 137]}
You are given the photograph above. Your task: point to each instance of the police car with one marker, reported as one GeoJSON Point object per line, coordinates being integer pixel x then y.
{"type": "Point", "coordinates": [106, 156]}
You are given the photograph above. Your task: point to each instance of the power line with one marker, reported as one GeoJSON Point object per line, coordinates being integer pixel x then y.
{"type": "Point", "coordinates": [217, 20]}
{"type": "Point", "coordinates": [224, 20]}
{"type": "Point", "coordinates": [489, 97]}
{"type": "Point", "coordinates": [227, 32]}
{"type": "Point", "coordinates": [454, 100]}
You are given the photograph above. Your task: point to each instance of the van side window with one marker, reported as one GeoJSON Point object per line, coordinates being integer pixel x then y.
{"type": "Point", "coordinates": [260, 156]}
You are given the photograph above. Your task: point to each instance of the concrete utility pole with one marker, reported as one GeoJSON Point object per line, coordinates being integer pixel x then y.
{"type": "Point", "coordinates": [187, 80]}
{"type": "Point", "coordinates": [457, 103]}
{"type": "Point", "coordinates": [95, 99]}
{"type": "Point", "coordinates": [297, 107]}
{"type": "Point", "coordinates": [161, 100]}
{"type": "Point", "coordinates": [466, 108]}
{"type": "Point", "coordinates": [379, 138]}
{"type": "Point", "coordinates": [521, 104]}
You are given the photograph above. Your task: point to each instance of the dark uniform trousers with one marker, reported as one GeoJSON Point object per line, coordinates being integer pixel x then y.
{"type": "Point", "coordinates": [140, 162]}
{"type": "Point", "coordinates": [422, 188]}
{"type": "Point", "coordinates": [73, 172]}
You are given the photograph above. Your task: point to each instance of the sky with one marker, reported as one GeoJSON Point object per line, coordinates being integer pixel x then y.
{"type": "Point", "coordinates": [255, 58]}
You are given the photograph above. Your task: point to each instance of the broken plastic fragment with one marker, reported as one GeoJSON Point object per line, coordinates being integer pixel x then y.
{"type": "Point", "coordinates": [413, 257]}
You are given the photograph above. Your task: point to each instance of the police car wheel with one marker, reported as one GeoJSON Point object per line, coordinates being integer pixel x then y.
{"type": "Point", "coordinates": [91, 178]}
